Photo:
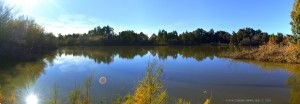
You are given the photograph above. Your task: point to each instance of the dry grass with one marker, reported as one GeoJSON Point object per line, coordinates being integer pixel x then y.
{"type": "Point", "coordinates": [182, 101]}
{"type": "Point", "coordinates": [10, 100]}
{"type": "Point", "coordinates": [1, 98]}
{"type": "Point", "coordinates": [13, 98]}
{"type": "Point", "coordinates": [269, 53]}
{"type": "Point", "coordinates": [277, 53]}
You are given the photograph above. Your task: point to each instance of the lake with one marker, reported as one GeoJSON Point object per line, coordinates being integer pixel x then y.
{"type": "Point", "coordinates": [193, 73]}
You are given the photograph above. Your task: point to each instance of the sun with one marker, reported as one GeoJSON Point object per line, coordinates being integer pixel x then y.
{"type": "Point", "coordinates": [32, 99]}
{"type": "Point", "coordinates": [23, 5]}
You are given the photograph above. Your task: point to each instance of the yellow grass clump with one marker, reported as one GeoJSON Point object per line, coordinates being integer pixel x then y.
{"type": "Point", "coordinates": [1, 98]}
{"type": "Point", "coordinates": [268, 53]}
{"type": "Point", "coordinates": [150, 90]}
{"type": "Point", "coordinates": [182, 101]}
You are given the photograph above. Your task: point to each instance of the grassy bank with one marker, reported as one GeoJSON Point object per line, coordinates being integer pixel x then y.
{"type": "Point", "coordinates": [268, 53]}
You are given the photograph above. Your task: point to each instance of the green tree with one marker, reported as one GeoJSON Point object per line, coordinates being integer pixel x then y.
{"type": "Point", "coordinates": [295, 15]}
{"type": "Point", "coordinates": [209, 36]}
{"type": "Point", "coordinates": [223, 37]}
{"type": "Point", "coordinates": [279, 38]}
{"type": "Point", "coordinates": [108, 31]}
{"type": "Point", "coordinates": [21, 38]}
{"type": "Point", "coordinates": [265, 38]}
{"type": "Point", "coordinates": [162, 37]}
{"type": "Point", "coordinates": [142, 38]}
{"type": "Point", "coordinates": [233, 39]}
{"type": "Point", "coordinates": [152, 39]}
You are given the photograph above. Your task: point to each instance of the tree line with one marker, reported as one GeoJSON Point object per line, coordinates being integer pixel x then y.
{"type": "Point", "coordinates": [21, 37]}
{"type": "Point", "coordinates": [106, 36]}
{"type": "Point", "coordinates": [245, 36]}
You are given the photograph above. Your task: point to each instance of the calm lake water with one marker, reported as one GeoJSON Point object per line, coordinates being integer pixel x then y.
{"type": "Point", "coordinates": [192, 73]}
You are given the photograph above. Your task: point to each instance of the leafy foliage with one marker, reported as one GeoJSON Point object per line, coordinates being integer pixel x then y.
{"type": "Point", "coordinates": [22, 38]}
{"type": "Point", "coordinates": [150, 90]}
{"type": "Point", "coordinates": [98, 36]}
{"type": "Point", "coordinates": [295, 15]}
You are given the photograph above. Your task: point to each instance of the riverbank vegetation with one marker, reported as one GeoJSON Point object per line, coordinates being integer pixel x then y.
{"type": "Point", "coordinates": [21, 38]}
{"type": "Point", "coordinates": [106, 36]}
{"type": "Point", "coordinates": [286, 51]}
{"type": "Point", "coordinates": [268, 53]}
{"type": "Point", "coordinates": [151, 89]}
{"type": "Point", "coordinates": [273, 48]}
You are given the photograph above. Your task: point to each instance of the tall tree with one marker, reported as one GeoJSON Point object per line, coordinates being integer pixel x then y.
{"type": "Point", "coordinates": [265, 38]}
{"type": "Point", "coordinates": [295, 15]}
{"type": "Point", "coordinates": [162, 36]}
{"type": "Point", "coordinates": [279, 38]}
{"type": "Point", "coordinates": [233, 38]}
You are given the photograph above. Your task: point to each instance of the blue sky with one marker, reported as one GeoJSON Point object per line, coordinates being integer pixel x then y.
{"type": "Point", "coordinates": [79, 16]}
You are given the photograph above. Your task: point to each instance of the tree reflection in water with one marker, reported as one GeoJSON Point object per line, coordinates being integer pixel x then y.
{"type": "Point", "coordinates": [17, 79]}
{"type": "Point", "coordinates": [293, 81]}
{"type": "Point", "coordinates": [21, 75]}
{"type": "Point", "coordinates": [106, 54]}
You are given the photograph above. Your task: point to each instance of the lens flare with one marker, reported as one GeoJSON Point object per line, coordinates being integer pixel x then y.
{"type": "Point", "coordinates": [102, 80]}
{"type": "Point", "coordinates": [31, 99]}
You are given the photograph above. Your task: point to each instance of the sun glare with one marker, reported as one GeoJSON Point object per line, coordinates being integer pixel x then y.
{"type": "Point", "coordinates": [25, 5]}
{"type": "Point", "coordinates": [31, 99]}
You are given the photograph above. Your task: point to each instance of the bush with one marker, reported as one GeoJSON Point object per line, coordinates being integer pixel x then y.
{"type": "Point", "coordinates": [269, 52]}
{"type": "Point", "coordinates": [22, 38]}
{"type": "Point", "coordinates": [150, 90]}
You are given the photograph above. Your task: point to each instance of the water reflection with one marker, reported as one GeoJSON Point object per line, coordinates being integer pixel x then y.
{"type": "Point", "coordinates": [106, 54]}
{"type": "Point", "coordinates": [293, 81]}
{"type": "Point", "coordinates": [21, 75]}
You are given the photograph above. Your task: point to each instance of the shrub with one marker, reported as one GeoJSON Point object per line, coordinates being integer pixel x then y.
{"type": "Point", "coordinates": [269, 52]}
{"type": "Point", "coordinates": [150, 90]}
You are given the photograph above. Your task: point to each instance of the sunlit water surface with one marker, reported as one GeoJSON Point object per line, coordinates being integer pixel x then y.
{"type": "Point", "coordinates": [191, 73]}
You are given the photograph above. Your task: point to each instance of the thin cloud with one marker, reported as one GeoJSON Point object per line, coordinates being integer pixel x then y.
{"type": "Point", "coordinates": [67, 24]}
{"type": "Point", "coordinates": [53, 2]}
{"type": "Point", "coordinates": [79, 23]}
{"type": "Point", "coordinates": [74, 23]}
